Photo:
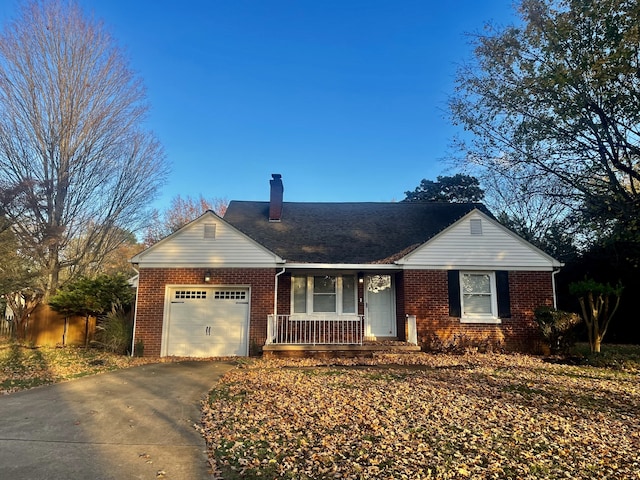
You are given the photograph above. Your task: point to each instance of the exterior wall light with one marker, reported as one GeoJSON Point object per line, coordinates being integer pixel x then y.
{"type": "Point", "coordinates": [207, 276]}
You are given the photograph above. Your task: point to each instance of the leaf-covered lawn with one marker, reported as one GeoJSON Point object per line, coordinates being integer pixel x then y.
{"type": "Point", "coordinates": [23, 367]}
{"type": "Point", "coordinates": [435, 416]}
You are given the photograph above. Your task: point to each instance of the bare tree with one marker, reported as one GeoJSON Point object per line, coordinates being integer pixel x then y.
{"type": "Point", "coordinates": [180, 212]}
{"type": "Point", "coordinates": [12, 198]}
{"type": "Point", "coordinates": [71, 128]}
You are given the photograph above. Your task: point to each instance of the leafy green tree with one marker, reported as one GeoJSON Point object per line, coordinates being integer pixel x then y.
{"type": "Point", "coordinates": [92, 296]}
{"type": "Point", "coordinates": [459, 188]}
{"type": "Point", "coordinates": [598, 303]}
{"type": "Point", "coordinates": [556, 97]}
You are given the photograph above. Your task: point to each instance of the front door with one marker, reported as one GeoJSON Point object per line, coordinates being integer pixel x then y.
{"type": "Point", "coordinates": [380, 309]}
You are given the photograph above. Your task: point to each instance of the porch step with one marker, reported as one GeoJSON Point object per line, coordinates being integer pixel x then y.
{"type": "Point", "coordinates": [331, 351]}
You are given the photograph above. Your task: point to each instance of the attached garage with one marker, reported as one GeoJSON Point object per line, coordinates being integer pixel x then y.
{"type": "Point", "coordinates": [206, 321]}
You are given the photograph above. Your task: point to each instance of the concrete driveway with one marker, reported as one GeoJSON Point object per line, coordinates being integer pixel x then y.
{"type": "Point", "coordinates": [130, 424]}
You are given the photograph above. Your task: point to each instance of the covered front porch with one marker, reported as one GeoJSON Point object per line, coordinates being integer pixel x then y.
{"type": "Point", "coordinates": [293, 336]}
{"type": "Point", "coordinates": [343, 311]}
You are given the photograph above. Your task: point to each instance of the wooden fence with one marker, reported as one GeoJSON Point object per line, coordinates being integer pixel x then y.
{"type": "Point", "coordinates": [47, 327]}
{"type": "Point", "coordinates": [6, 328]}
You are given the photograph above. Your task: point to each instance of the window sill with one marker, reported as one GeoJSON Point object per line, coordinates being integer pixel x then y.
{"type": "Point", "coordinates": [486, 320]}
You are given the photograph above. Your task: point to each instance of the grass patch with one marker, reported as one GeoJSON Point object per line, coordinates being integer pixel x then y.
{"type": "Point", "coordinates": [228, 393]}
{"type": "Point", "coordinates": [10, 385]}
{"type": "Point", "coordinates": [524, 389]}
{"type": "Point", "coordinates": [615, 357]}
{"type": "Point", "coordinates": [322, 372]}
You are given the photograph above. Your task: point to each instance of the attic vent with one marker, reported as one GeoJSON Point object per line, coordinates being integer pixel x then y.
{"type": "Point", "coordinates": [209, 230]}
{"type": "Point", "coordinates": [476, 226]}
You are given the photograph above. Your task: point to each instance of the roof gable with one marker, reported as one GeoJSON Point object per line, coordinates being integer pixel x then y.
{"type": "Point", "coordinates": [207, 241]}
{"type": "Point", "coordinates": [344, 233]}
{"type": "Point", "coordinates": [487, 244]}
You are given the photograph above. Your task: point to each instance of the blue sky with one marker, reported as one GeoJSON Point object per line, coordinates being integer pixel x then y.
{"type": "Point", "coordinates": [345, 99]}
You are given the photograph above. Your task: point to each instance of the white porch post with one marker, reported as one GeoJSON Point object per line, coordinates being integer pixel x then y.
{"type": "Point", "coordinates": [271, 319]}
{"type": "Point", "coordinates": [412, 333]}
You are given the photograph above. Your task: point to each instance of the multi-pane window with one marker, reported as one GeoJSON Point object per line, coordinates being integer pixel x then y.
{"type": "Point", "coordinates": [478, 294]}
{"type": "Point", "coordinates": [324, 294]}
{"type": "Point", "coordinates": [179, 294]}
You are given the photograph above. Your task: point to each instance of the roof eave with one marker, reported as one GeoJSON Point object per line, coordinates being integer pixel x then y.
{"type": "Point", "coordinates": [341, 266]}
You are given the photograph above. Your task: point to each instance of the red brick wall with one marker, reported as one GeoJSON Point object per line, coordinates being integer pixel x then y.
{"type": "Point", "coordinates": [426, 296]}
{"type": "Point", "coordinates": [423, 293]}
{"type": "Point", "coordinates": [284, 294]}
{"type": "Point", "coordinates": [151, 297]}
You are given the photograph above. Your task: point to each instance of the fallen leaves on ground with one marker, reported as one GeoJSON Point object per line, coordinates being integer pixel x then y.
{"type": "Point", "coordinates": [424, 416]}
{"type": "Point", "coordinates": [23, 367]}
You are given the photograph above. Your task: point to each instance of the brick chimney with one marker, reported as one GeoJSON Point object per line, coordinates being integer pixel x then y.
{"type": "Point", "coordinates": [275, 201]}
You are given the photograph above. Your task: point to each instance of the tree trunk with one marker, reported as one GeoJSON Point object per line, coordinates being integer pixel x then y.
{"type": "Point", "coordinates": [22, 305]}
{"type": "Point", "coordinates": [595, 346]}
{"type": "Point", "coordinates": [53, 278]}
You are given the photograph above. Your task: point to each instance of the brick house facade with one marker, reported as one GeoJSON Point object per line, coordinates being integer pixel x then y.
{"type": "Point", "coordinates": [422, 293]}
{"type": "Point", "coordinates": [425, 295]}
{"type": "Point", "coordinates": [278, 273]}
{"type": "Point", "coordinates": [150, 306]}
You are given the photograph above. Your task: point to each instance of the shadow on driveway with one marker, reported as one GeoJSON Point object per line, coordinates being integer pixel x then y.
{"type": "Point", "coordinates": [135, 423]}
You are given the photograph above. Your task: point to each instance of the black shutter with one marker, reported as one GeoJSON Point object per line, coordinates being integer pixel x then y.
{"type": "Point", "coordinates": [504, 300]}
{"type": "Point", "coordinates": [455, 309]}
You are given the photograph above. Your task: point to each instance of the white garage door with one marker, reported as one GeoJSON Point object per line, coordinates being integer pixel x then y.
{"type": "Point", "coordinates": [207, 322]}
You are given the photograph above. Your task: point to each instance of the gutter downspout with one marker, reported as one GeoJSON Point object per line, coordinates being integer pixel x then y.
{"type": "Point", "coordinates": [275, 293]}
{"type": "Point", "coordinates": [135, 314]}
{"type": "Point", "coordinates": [272, 320]}
{"type": "Point", "coordinates": [553, 286]}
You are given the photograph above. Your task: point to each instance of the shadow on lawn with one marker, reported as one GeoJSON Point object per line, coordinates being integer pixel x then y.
{"type": "Point", "coordinates": [23, 367]}
{"type": "Point", "coordinates": [544, 392]}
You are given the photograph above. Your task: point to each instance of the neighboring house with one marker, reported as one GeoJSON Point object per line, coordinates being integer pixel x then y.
{"type": "Point", "coordinates": [279, 275]}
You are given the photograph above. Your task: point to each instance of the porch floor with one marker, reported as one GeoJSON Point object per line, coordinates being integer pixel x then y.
{"type": "Point", "coordinates": [367, 349]}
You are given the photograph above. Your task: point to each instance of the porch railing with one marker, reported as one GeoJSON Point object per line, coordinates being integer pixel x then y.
{"type": "Point", "coordinates": [291, 330]}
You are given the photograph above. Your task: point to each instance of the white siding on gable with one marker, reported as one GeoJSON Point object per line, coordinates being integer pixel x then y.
{"type": "Point", "coordinates": [194, 245]}
{"type": "Point", "coordinates": [495, 248]}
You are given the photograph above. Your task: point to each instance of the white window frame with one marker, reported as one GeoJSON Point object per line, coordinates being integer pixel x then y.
{"type": "Point", "coordinates": [491, 317]}
{"type": "Point", "coordinates": [339, 296]}
{"type": "Point", "coordinates": [317, 295]}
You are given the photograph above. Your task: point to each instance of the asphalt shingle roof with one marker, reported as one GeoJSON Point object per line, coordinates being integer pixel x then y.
{"type": "Point", "coordinates": [350, 233]}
